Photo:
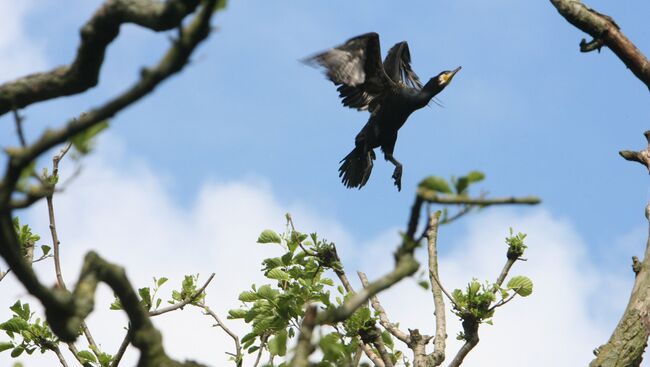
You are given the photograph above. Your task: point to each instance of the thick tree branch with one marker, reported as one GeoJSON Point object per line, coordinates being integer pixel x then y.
{"type": "Point", "coordinates": [64, 312]}
{"type": "Point", "coordinates": [304, 347]}
{"type": "Point", "coordinates": [145, 337]}
{"type": "Point", "coordinates": [629, 340]}
{"type": "Point", "coordinates": [406, 265]}
{"type": "Point", "coordinates": [129, 334]}
{"type": "Point", "coordinates": [438, 356]}
{"type": "Point", "coordinates": [383, 317]}
{"type": "Point", "coordinates": [605, 32]}
{"type": "Point", "coordinates": [96, 35]}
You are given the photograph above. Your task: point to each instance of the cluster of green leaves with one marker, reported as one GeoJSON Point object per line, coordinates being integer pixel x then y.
{"type": "Point", "coordinates": [95, 358]}
{"type": "Point", "coordinates": [516, 245]}
{"type": "Point", "coordinates": [275, 310]}
{"type": "Point", "coordinates": [477, 303]}
{"type": "Point", "coordinates": [454, 186]}
{"type": "Point", "coordinates": [27, 239]}
{"type": "Point", "coordinates": [150, 300]}
{"type": "Point", "coordinates": [25, 334]}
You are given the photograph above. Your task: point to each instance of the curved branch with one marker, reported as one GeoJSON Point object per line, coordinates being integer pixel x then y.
{"type": "Point", "coordinates": [627, 343]}
{"type": "Point", "coordinates": [64, 312]}
{"type": "Point", "coordinates": [96, 35]}
{"type": "Point", "coordinates": [605, 33]}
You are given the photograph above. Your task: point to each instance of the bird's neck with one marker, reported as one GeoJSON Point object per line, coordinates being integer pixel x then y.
{"type": "Point", "coordinates": [427, 92]}
{"type": "Point", "coordinates": [432, 88]}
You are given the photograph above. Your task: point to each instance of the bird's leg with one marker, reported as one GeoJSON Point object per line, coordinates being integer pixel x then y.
{"type": "Point", "coordinates": [397, 174]}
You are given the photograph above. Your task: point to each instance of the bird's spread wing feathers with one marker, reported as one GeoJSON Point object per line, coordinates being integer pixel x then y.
{"type": "Point", "coordinates": [356, 68]}
{"type": "Point", "coordinates": [398, 66]}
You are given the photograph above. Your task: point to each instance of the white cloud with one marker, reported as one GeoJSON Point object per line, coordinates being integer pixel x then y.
{"type": "Point", "coordinates": [121, 208]}
{"type": "Point", "coordinates": [20, 55]}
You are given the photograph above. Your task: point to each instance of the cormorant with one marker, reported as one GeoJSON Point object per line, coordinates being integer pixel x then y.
{"type": "Point", "coordinates": [390, 91]}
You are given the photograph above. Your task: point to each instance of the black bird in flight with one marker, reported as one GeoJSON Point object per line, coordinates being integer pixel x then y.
{"type": "Point", "coordinates": [390, 91]}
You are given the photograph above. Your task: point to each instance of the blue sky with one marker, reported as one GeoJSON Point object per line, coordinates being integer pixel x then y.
{"type": "Point", "coordinates": [528, 109]}
{"type": "Point", "coordinates": [538, 117]}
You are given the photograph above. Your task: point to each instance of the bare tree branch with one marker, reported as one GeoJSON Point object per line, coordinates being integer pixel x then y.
{"type": "Point", "coordinates": [627, 343]}
{"type": "Point", "coordinates": [383, 317]}
{"type": "Point", "coordinates": [96, 35]}
{"type": "Point", "coordinates": [238, 354]}
{"type": "Point", "coordinates": [304, 347]}
{"type": "Point", "coordinates": [438, 355]}
{"type": "Point", "coordinates": [605, 32]}
{"type": "Point", "coordinates": [66, 312]}
{"type": "Point", "coordinates": [434, 197]}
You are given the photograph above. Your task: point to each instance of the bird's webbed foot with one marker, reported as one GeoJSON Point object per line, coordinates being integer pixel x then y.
{"type": "Point", "coordinates": [397, 174]}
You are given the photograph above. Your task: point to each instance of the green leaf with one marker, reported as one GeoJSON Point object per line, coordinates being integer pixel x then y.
{"type": "Point", "coordinates": [145, 294]}
{"type": "Point", "coordinates": [475, 176]}
{"type": "Point", "coordinates": [248, 296]}
{"type": "Point", "coordinates": [116, 305]}
{"type": "Point", "coordinates": [461, 185]}
{"type": "Point", "coordinates": [105, 359]}
{"type": "Point", "coordinates": [267, 292]}
{"type": "Point", "coordinates": [46, 249]}
{"type": "Point", "coordinates": [278, 344]}
{"type": "Point", "coordinates": [17, 351]}
{"type": "Point", "coordinates": [278, 274]}
{"type": "Point", "coordinates": [6, 346]}
{"type": "Point", "coordinates": [522, 285]}
{"type": "Point", "coordinates": [83, 142]}
{"type": "Point", "coordinates": [435, 183]}
{"type": "Point", "coordinates": [269, 236]}
{"type": "Point", "coordinates": [86, 356]}
{"type": "Point", "coordinates": [388, 339]}
{"type": "Point", "coordinates": [15, 325]}
{"type": "Point", "coordinates": [424, 284]}
{"type": "Point", "coordinates": [237, 314]}
{"type": "Point", "coordinates": [161, 281]}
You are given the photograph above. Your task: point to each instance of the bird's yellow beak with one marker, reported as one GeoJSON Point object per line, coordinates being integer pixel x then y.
{"type": "Point", "coordinates": [450, 75]}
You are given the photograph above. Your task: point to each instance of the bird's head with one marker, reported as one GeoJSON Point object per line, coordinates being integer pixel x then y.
{"type": "Point", "coordinates": [446, 76]}
{"type": "Point", "coordinates": [440, 81]}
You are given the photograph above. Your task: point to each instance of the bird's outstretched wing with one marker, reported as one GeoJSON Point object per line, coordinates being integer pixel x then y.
{"type": "Point", "coordinates": [398, 66]}
{"type": "Point", "coordinates": [356, 68]}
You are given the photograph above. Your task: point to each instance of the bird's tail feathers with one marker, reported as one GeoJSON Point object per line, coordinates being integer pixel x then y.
{"type": "Point", "coordinates": [356, 167]}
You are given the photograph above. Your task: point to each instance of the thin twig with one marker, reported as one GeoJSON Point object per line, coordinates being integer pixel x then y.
{"type": "Point", "coordinates": [451, 299]}
{"type": "Point", "coordinates": [60, 356]}
{"type": "Point", "coordinates": [263, 340]}
{"type": "Point", "coordinates": [367, 349]}
{"type": "Point", "coordinates": [43, 257]}
{"type": "Point", "coordinates": [56, 243]}
{"type": "Point", "coordinates": [238, 355]}
{"type": "Point", "coordinates": [183, 303]}
{"type": "Point", "coordinates": [383, 317]}
{"type": "Point", "coordinates": [122, 349]}
{"type": "Point", "coordinates": [504, 271]}
{"type": "Point", "coordinates": [19, 127]}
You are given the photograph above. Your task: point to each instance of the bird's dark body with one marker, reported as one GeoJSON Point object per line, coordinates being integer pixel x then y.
{"type": "Point", "coordinates": [389, 90]}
